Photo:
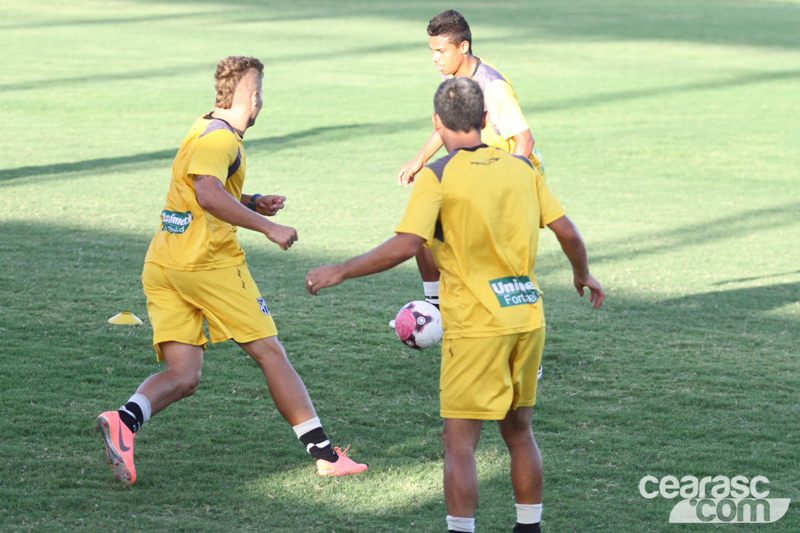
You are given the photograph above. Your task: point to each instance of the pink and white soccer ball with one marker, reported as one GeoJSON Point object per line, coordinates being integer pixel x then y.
{"type": "Point", "coordinates": [419, 325]}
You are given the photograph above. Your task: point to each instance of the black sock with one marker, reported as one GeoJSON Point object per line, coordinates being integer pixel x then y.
{"type": "Point", "coordinates": [527, 528]}
{"type": "Point", "coordinates": [318, 445]}
{"type": "Point", "coordinates": [132, 416]}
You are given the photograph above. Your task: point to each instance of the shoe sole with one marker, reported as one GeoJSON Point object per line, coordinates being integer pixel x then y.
{"type": "Point", "coordinates": [115, 459]}
{"type": "Point", "coordinates": [337, 473]}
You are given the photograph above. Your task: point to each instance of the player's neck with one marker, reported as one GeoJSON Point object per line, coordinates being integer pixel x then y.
{"type": "Point", "coordinates": [468, 66]}
{"type": "Point", "coordinates": [456, 140]}
{"type": "Point", "coordinates": [234, 117]}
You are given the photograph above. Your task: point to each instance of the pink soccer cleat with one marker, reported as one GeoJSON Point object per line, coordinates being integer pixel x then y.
{"type": "Point", "coordinates": [341, 467]}
{"type": "Point", "coordinates": [119, 446]}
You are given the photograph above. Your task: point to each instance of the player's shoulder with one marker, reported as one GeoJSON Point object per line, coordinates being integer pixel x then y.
{"type": "Point", "coordinates": [524, 160]}
{"type": "Point", "coordinates": [487, 73]}
{"type": "Point", "coordinates": [469, 157]}
{"type": "Point", "coordinates": [438, 166]}
{"type": "Point", "coordinates": [209, 125]}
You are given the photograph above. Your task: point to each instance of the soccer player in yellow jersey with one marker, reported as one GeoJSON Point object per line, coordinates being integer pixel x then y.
{"type": "Point", "coordinates": [450, 39]}
{"type": "Point", "coordinates": [195, 271]}
{"type": "Point", "coordinates": [480, 209]}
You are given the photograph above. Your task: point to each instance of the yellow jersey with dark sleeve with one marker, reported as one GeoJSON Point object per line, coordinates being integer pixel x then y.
{"type": "Point", "coordinates": [191, 238]}
{"type": "Point", "coordinates": [480, 211]}
{"type": "Point", "coordinates": [505, 116]}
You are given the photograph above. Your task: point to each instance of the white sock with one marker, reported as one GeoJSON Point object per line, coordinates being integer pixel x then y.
{"type": "Point", "coordinates": [305, 427]}
{"type": "Point", "coordinates": [457, 523]}
{"type": "Point", "coordinates": [529, 513]}
{"type": "Point", "coordinates": [431, 289]}
{"type": "Point", "coordinates": [143, 403]}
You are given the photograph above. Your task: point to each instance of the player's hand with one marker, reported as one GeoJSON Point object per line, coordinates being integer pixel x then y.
{"type": "Point", "coordinates": [283, 236]}
{"type": "Point", "coordinates": [323, 277]}
{"type": "Point", "coordinates": [406, 175]}
{"type": "Point", "coordinates": [269, 204]}
{"type": "Point", "coordinates": [596, 293]}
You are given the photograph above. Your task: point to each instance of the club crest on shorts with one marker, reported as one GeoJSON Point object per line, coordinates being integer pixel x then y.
{"type": "Point", "coordinates": [263, 306]}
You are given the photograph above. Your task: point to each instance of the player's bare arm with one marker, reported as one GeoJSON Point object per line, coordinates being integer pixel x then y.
{"type": "Point", "coordinates": [572, 244]}
{"type": "Point", "coordinates": [267, 205]}
{"type": "Point", "coordinates": [523, 144]}
{"type": "Point", "coordinates": [391, 253]}
{"type": "Point", "coordinates": [213, 197]}
{"type": "Point", "coordinates": [406, 175]}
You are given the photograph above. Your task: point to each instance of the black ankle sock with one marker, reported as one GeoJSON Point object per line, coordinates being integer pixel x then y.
{"type": "Point", "coordinates": [318, 445]}
{"type": "Point", "coordinates": [527, 528]}
{"type": "Point", "coordinates": [132, 416]}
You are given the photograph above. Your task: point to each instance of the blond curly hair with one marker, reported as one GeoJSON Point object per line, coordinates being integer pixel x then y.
{"type": "Point", "coordinates": [230, 71]}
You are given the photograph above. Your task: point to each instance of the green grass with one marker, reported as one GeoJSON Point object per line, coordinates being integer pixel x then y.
{"type": "Point", "coordinates": [670, 132]}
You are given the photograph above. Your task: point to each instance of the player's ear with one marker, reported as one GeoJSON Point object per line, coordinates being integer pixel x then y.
{"type": "Point", "coordinates": [484, 119]}
{"type": "Point", "coordinates": [464, 47]}
{"type": "Point", "coordinates": [437, 123]}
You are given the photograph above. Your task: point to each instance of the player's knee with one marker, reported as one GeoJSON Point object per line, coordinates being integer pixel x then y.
{"type": "Point", "coordinates": [188, 382]}
{"type": "Point", "coordinates": [514, 430]}
{"type": "Point", "coordinates": [266, 350]}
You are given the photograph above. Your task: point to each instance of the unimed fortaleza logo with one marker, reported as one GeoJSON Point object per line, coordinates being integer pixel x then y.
{"type": "Point", "coordinates": [717, 500]}
{"type": "Point", "coordinates": [514, 290]}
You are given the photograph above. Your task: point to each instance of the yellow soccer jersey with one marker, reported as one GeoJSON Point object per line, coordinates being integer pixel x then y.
{"type": "Point", "coordinates": [190, 238]}
{"type": "Point", "coordinates": [505, 116]}
{"type": "Point", "coordinates": [480, 211]}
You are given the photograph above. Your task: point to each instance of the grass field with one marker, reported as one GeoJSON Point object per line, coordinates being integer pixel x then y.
{"type": "Point", "coordinates": [670, 130]}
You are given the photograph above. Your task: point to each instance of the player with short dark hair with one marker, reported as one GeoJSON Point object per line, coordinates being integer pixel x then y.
{"type": "Point", "coordinates": [195, 271]}
{"type": "Point", "coordinates": [450, 40]}
{"type": "Point", "coordinates": [459, 105]}
{"type": "Point", "coordinates": [451, 25]}
{"type": "Point", "coordinates": [479, 209]}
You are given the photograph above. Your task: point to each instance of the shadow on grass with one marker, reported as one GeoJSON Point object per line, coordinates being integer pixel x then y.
{"type": "Point", "coordinates": [625, 96]}
{"type": "Point", "coordinates": [273, 144]}
{"type": "Point", "coordinates": [695, 234]}
{"type": "Point", "coordinates": [763, 23]}
{"type": "Point", "coordinates": [225, 458]}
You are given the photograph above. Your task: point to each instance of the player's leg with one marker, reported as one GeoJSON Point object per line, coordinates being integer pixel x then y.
{"type": "Point", "coordinates": [293, 402]}
{"type": "Point", "coordinates": [173, 319]}
{"type": "Point", "coordinates": [526, 468]}
{"type": "Point", "coordinates": [178, 380]}
{"type": "Point", "coordinates": [235, 309]}
{"type": "Point", "coordinates": [430, 275]}
{"type": "Point", "coordinates": [460, 440]}
{"type": "Point", "coordinates": [515, 428]}
{"type": "Point", "coordinates": [287, 389]}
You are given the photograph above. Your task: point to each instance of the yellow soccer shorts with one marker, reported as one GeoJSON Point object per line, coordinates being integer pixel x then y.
{"type": "Point", "coordinates": [179, 301]}
{"type": "Point", "coordinates": [484, 378]}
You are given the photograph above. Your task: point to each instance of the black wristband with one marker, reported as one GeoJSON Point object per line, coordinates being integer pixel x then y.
{"type": "Point", "coordinates": [251, 203]}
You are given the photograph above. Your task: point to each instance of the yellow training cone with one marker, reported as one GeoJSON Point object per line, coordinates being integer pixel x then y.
{"type": "Point", "coordinates": [125, 318]}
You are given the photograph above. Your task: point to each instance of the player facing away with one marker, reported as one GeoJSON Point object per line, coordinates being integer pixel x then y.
{"type": "Point", "coordinates": [480, 209]}
{"type": "Point", "coordinates": [195, 270]}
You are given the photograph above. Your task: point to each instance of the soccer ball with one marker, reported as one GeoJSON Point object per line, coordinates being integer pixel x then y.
{"type": "Point", "coordinates": [418, 325]}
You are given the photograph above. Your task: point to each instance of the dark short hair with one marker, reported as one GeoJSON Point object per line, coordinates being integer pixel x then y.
{"type": "Point", "coordinates": [459, 104]}
{"type": "Point", "coordinates": [451, 25]}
